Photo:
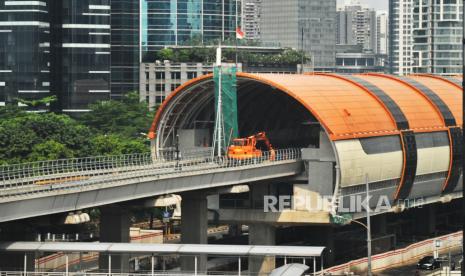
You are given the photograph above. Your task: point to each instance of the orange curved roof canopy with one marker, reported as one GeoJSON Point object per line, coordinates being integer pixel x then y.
{"type": "Point", "coordinates": [343, 107]}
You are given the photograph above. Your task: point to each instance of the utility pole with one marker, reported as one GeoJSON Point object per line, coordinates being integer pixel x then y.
{"type": "Point", "coordinates": [218, 132]}
{"type": "Point", "coordinates": [368, 226]}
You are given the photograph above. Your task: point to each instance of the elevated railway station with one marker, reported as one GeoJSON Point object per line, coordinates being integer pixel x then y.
{"type": "Point", "coordinates": [331, 135]}
{"type": "Point", "coordinates": [401, 134]}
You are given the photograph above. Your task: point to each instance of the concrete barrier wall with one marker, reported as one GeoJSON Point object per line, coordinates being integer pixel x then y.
{"type": "Point", "coordinates": [400, 257]}
{"type": "Point", "coordinates": [58, 260]}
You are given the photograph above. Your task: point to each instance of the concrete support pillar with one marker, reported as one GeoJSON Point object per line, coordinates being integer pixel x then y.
{"type": "Point", "coordinates": [194, 228]}
{"type": "Point", "coordinates": [427, 216]}
{"type": "Point", "coordinates": [379, 225]}
{"type": "Point", "coordinates": [235, 230]}
{"type": "Point", "coordinates": [10, 261]}
{"type": "Point", "coordinates": [261, 234]}
{"type": "Point", "coordinates": [114, 227]}
{"type": "Point", "coordinates": [329, 253]}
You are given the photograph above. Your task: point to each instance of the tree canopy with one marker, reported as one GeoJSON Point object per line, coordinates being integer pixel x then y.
{"type": "Point", "coordinates": [208, 55]}
{"type": "Point", "coordinates": [111, 128]}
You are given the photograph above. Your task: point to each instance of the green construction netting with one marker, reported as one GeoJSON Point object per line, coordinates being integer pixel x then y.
{"type": "Point", "coordinates": [229, 101]}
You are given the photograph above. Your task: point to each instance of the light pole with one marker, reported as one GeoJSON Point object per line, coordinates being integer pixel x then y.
{"type": "Point", "coordinates": [366, 226]}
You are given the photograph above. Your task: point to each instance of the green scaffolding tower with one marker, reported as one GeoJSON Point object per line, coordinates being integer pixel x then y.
{"type": "Point", "coordinates": [226, 120]}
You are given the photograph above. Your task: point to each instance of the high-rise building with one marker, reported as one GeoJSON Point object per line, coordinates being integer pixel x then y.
{"type": "Point", "coordinates": [140, 28]}
{"type": "Point", "coordinates": [55, 47]}
{"type": "Point", "coordinates": [437, 34]}
{"type": "Point", "coordinates": [357, 25]}
{"type": "Point", "coordinates": [180, 22]}
{"type": "Point", "coordinates": [125, 47]}
{"type": "Point", "coordinates": [344, 31]}
{"type": "Point", "coordinates": [89, 50]}
{"type": "Point", "coordinates": [24, 50]}
{"type": "Point", "coordinates": [400, 36]}
{"type": "Point", "coordinates": [382, 44]}
{"type": "Point", "coordinates": [302, 24]}
{"type": "Point", "coordinates": [80, 51]}
{"type": "Point", "coordinates": [251, 11]}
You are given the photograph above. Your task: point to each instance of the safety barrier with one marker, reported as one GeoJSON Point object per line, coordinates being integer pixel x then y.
{"type": "Point", "coordinates": [155, 273]}
{"type": "Point", "coordinates": [58, 260]}
{"type": "Point", "coordinates": [67, 174]}
{"type": "Point", "coordinates": [400, 257]}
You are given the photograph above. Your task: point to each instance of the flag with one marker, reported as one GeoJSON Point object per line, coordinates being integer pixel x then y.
{"type": "Point", "coordinates": [239, 33]}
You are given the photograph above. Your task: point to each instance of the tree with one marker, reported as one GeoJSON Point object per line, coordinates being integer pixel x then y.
{"type": "Point", "coordinates": [20, 137]}
{"type": "Point", "coordinates": [166, 54]}
{"type": "Point", "coordinates": [128, 118]}
{"type": "Point", "coordinates": [111, 128]}
{"type": "Point", "coordinates": [46, 101]}
{"type": "Point", "coordinates": [116, 145]}
{"type": "Point", "coordinates": [50, 150]}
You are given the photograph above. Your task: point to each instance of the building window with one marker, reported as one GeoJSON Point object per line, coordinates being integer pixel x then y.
{"type": "Point", "coordinates": [191, 75]}
{"type": "Point", "coordinates": [176, 75]}
{"type": "Point", "coordinates": [160, 75]}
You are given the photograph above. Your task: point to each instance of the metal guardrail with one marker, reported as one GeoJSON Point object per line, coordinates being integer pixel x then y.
{"type": "Point", "coordinates": [156, 273]}
{"type": "Point", "coordinates": [103, 171]}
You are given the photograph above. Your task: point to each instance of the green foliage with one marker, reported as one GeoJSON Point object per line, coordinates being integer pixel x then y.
{"type": "Point", "coordinates": [166, 53]}
{"type": "Point", "coordinates": [23, 138]}
{"type": "Point", "coordinates": [38, 102]}
{"type": "Point", "coordinates": [208, 55]}
{"type": "Point", "coordinates": [111, 128]}
{"type": "Point", "coordinates": [50, 150]}
{"type": "Point", "coordinates": [116, 145]}
{"type": "Point", "coordinates": [201, 53]}
{"type": "Point", "coordinates": [128, 118]}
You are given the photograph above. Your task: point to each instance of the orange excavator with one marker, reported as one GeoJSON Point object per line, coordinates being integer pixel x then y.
{"type": "Point", "coordinates": [251, 147]}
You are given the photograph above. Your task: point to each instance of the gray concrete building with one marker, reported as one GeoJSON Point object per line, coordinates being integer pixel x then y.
{"type": "Point", "coordinates": [159, 79]}
{"type": "Point", "coordinates": [357, 25]}
{"type": "Point", "coordinates": [351, 59]}
{"type": "Point", "coordinates": [302, 24]}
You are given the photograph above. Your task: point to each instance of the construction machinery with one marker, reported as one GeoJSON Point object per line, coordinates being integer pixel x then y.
{"type": "Point", "coordinates": [251, 147]}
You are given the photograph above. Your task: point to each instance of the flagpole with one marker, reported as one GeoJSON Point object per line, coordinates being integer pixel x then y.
{"type": "Point", "coordinates": [236, 52]}
{"type": "Point", "coordinates": [237, 26]}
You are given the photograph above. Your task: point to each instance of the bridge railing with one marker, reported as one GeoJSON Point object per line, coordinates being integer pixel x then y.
{"type": "Point", "coordinates": [68, 166]}
{"type": "Point", "coordinates": [105, 171]}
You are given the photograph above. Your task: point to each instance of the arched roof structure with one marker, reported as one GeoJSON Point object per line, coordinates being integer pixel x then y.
{"type": "Point", "coordinates": [348, 109]}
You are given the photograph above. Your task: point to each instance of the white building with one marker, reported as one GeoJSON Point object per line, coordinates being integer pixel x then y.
{"type": "Point", "coordinates": [251, 10]}
{"type": "Point", "coordinates": [437, 45]}
{"type": "Point", "coordinates": [382, 34]}
{"type": "Point", "coordinates": [400, 36]}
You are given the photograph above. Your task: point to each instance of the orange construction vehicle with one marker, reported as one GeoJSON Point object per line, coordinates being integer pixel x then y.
{"type": "Point", "coordinates": [251, 147]}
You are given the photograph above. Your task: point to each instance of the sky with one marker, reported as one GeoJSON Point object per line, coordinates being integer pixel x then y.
{"type": "Point", "coordinates": [375, 4]}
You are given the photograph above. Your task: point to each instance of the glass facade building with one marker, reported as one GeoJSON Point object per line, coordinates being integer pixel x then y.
{"type": "Point", "coordinates": [178, 22]}
{"type": "Point", "coordinates": [89, 50]}
{"type": "Point", "coordinates": [302, 24]}
{"type": "Point", "coordinates": [80, 64]}
{"type": "Point", "coordinates": [140, 28]}
{"type": "Point", "coordinates": [24, 50]}
{"type": "Point", "coordinates": [125, 54]}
